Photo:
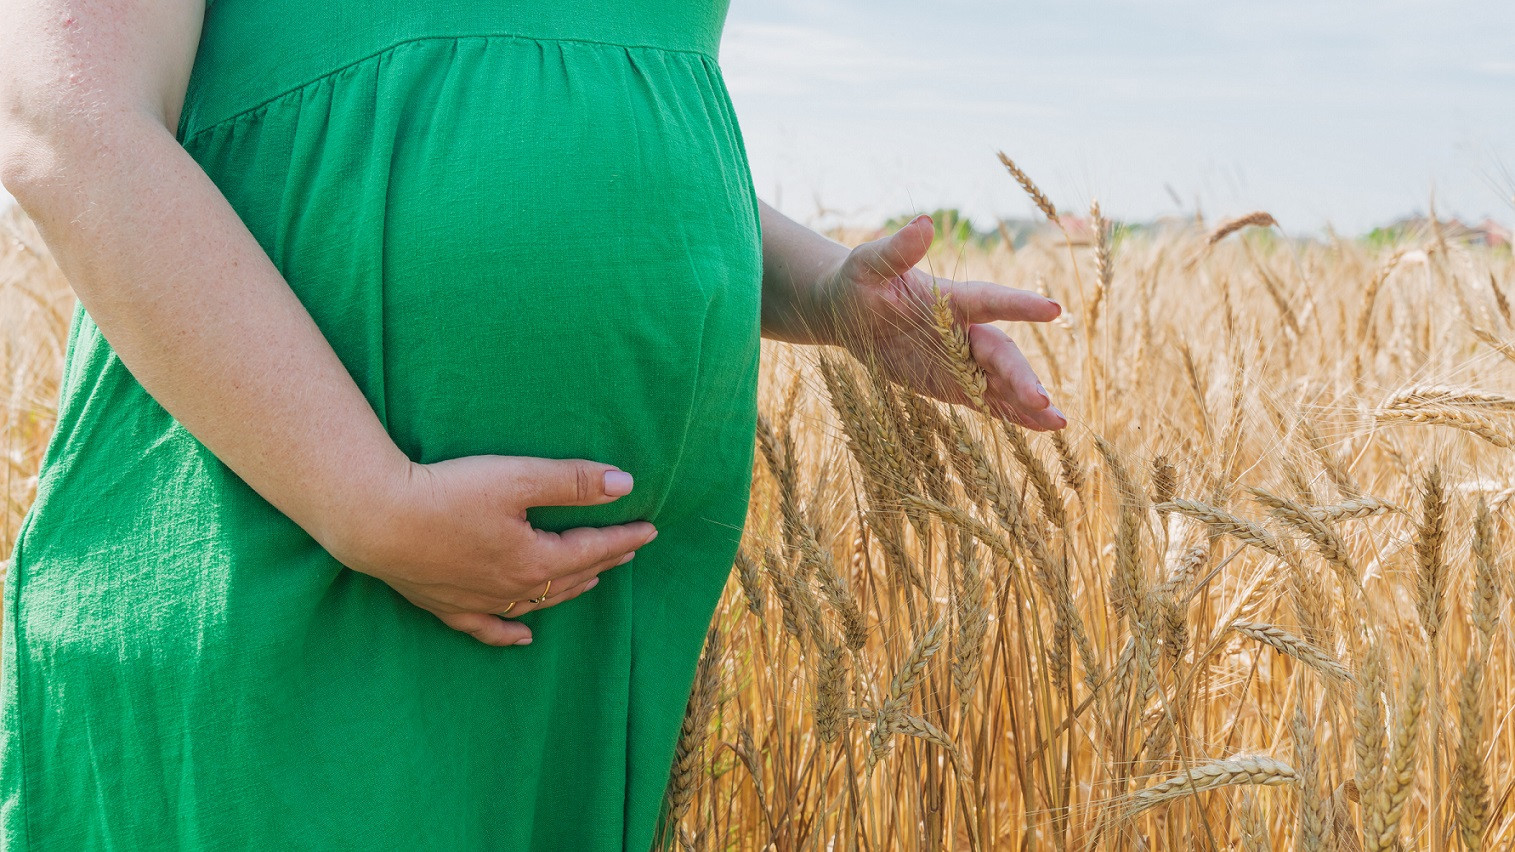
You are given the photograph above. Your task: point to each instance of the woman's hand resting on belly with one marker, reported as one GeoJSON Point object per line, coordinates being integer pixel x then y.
{"type": "Point", "coordinates": [453, 538]}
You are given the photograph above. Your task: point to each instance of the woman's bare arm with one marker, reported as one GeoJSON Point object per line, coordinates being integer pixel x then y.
{"type": "Point", "coordinates": [796, 260]}
{"type": "Point", "coordinates": [198, 313]}
{"type": "Point", "coordinates": [176, 283]}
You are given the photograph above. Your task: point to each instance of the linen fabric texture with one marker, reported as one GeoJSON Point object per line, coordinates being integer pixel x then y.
{"type": "Point", "coordinates": [526, 229]}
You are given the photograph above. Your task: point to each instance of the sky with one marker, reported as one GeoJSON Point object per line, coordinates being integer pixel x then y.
{"type": "Point", "coordinates": [1342, 113]}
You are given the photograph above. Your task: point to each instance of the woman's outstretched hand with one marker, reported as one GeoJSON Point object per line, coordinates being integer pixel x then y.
{"type": "Point", "coordinates": [880, 306]}
{"type": "Point", "coordinates": [453, 538]}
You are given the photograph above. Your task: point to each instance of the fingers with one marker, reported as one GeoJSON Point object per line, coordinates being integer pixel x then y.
{"type": "Point", "coordinates": [981, 301]}
{"type": "Point", "coordinates": [1012, 382]}
{"type": "Point", "coordinates": [518, 634]}
{"type": "Point", "coordinates": [487, 628]}
{"type": "Point", "coordinates": [584, 548]}
{"type": "Point", "coordinates": [592, 573]}
{"type": "Point", "coordinates": [569, 592]}
{"type": "Point", "coordinates": [561, 592]}
{"type": "Point", "coordinates": [501, 629]}
{"type": "Point", "coordinates": [887, 257]}
{"type": "Point", "coordinates": [568, 482]}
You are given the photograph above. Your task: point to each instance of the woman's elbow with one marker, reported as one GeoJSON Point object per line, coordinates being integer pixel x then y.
{"type": "Point", "coordinates": [52, 152]}
{"type": "Point", "coordinates": [37, 128]}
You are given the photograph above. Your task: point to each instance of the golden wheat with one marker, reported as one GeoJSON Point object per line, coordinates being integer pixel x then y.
{"type": "Point", "coordinates": [1091, 640]}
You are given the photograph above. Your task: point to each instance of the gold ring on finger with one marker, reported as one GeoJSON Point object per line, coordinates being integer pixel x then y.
{"type": "Point", "coordinates": [544, 593]}
{"type": "Point", "coordinates": [507, 609]}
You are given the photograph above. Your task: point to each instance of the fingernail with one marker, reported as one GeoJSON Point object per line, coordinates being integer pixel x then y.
{"type": "Point", "coordinates": [591, 584]}
{"type": "Point", "coordinates": [1059, 414]}
{"type": "Point", "coordinates": [1046, 400]}
{"type": "Point", "coordinates": [523, 641]}
{"type": "Point", "coordinates": [627, 558]}
{"type": "Point", "coordinates": [653, 536]}
{"type": "Point", "coordinates": [617, 483]}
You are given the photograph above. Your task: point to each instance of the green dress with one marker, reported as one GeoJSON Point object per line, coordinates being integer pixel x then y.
{"type": "Point", "coordinates": [527, 228]}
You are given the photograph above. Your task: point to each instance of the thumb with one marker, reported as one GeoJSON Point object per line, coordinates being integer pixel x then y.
{"type": "Point", "coordinates": [888, 257]}
{"type": "Point", "coordinates": [569, 482]}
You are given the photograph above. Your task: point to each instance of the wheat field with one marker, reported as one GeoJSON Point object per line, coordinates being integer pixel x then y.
{"type": "Point", "coordinates": [1254, 597]}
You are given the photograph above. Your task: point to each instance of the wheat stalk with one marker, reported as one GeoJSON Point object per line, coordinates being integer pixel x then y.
{"type": "Point", "coordinates": [1431, 585]}
{"type": "Point", "coordinates": [1314, 809]}
{"type": "Point", "coordinates": [1225, 523]}
{"type": "Point", "coordinates": [1287, 643]}
{"type": "Point", "coordinates": [1037, 196]}
{"type": "Point", "coordinates": [1210, 775]}
{"type": "Point", "coordinates": [1355, 509]}
{"type": "Point", "coordinates": [1381, 825]}
{"type": "Point", "coordinates": [905, 681]}
{"type": "Point", "coordinates": [683, 777]}
{"type": "Point", "coordinates": [1257, 219]}
{"type": "Point", "coordinates": [1455, 418]}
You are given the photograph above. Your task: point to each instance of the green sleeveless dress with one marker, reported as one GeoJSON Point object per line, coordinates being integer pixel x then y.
{"type": "Point", "coordinates": [527, 228]}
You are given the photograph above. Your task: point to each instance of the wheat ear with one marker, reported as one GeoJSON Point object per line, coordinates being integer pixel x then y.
{"type": "Point", "coordinates": [1210, 775]}
{"type": "Point", "coordinates": [1258, 219]}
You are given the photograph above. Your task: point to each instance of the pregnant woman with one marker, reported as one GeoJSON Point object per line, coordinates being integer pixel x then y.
{"type": "Point", "coordinates": [401, 327]}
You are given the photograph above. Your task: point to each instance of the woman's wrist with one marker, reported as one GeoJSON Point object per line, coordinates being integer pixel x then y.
{"type": "Point", "coordinates": [359, 522]}
{"type": "Point", "coordinates": [800, 274]}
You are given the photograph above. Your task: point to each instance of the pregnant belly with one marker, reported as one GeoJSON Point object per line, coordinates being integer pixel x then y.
{"type": "Point", "coordinates": [604, 340]}
{"type": "Point", "coordinates": [528, 269]}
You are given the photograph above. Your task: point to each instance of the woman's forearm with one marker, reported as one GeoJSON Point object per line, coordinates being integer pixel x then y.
{"type": "Point", "coordinates": [795, 260]}
{"type": "Point", "coordinates": [199, 314]}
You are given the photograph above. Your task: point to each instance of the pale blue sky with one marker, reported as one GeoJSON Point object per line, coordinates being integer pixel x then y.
{"type": "Point", "coordinates": [1345, 112]}
{"type": "Point", "coordinates": [1340, 111]}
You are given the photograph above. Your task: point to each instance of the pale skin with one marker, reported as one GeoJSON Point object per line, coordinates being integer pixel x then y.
{"type": "Point", "coordinates": [90, 92]}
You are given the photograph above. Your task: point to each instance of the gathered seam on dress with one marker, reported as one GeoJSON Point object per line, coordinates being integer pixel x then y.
{"type": "Point", "coordinates": [381, 52]}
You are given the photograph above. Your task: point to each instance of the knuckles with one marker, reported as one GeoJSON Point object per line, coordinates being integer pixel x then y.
{"type": "Point", "coordinates": [531, 573]}
{"type": "Point", "coordinates": [585, 488]}
{"type": "Point", "coordinates": [604, 552]}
